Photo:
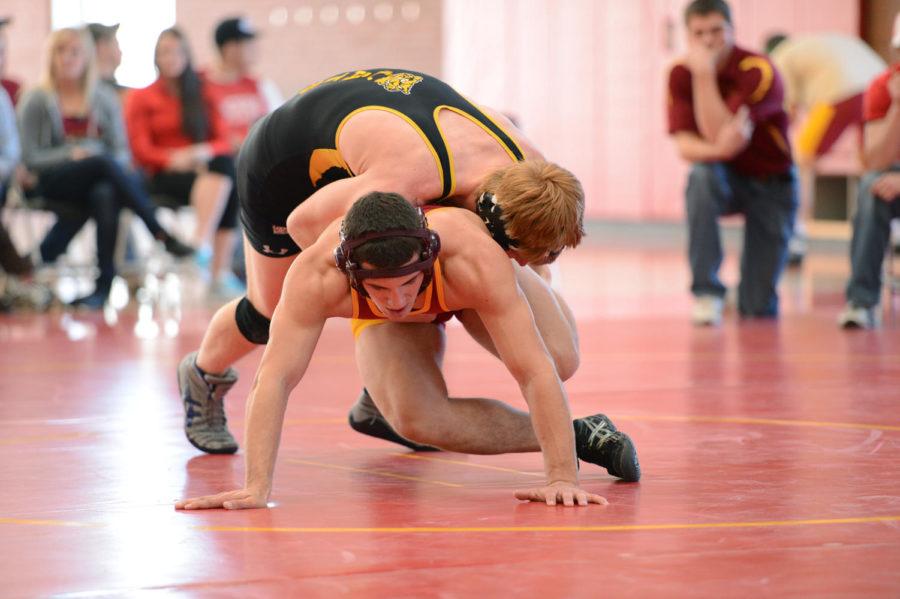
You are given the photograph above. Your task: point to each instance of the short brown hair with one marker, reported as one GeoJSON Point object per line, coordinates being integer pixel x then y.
{"type": "Point", "coordinates": [701, 8]}
{"type": "Point", "coordinates": [542, 206]}
{"type": "Point", "coordinates": [376, 212]}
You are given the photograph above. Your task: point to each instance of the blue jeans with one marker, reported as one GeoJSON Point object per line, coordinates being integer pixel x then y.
{"type": "Point", "coordinates": [97, 187]}
{"type": "Point", "coordinates": [99, 203]}
{"type": "Point", "coordinates": [768, 205]}
{"type": "Point", "coordinates": [871, 236]}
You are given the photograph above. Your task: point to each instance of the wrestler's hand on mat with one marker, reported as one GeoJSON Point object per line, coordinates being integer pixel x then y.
{"type": "Point", "coordinates": [560, 492]}
{"type": "Point", "coordinates": [241, 499]}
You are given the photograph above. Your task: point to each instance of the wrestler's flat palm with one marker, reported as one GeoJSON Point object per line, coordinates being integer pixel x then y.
{"type": "Point", "coordinates": [564, 493]}
{"type": "Point", "coordinates": [241, 499]}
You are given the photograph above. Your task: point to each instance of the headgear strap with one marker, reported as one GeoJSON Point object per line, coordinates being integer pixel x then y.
{"type": "Point", "coordinates": [490, 212]}
{"type": "Point", "coordinates": [431, 246]}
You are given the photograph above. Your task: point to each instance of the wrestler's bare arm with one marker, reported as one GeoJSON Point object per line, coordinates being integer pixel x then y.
{"type": "Point", "coordinates": [296, 326]}
{"type": "Point", "coordinates": [490, 288]}
{"type": "Point", "coordinates": [310, 218]}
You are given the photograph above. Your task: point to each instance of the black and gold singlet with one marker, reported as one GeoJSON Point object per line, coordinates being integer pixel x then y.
{"type": "Point", "coordinates": [292, 152]}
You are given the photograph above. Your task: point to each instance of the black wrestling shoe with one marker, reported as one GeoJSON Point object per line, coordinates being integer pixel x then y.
{"type": "Point", "coordinates": [365, 418]}
{"type": "Point", "coordinates": [597, 441]}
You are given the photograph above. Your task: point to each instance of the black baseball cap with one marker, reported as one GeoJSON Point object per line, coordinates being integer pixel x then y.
{"type": "Point", "coordinates": [100, 31]}
{"type": "Point", "coordinates": [231, 30]}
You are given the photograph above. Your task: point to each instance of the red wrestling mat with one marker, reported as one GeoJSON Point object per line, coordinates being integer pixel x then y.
{"type": "Point", "coordinates": [770, 451]}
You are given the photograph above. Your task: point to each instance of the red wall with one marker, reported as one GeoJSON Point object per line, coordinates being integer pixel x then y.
{"type": "Point", "coordinates": [25, 35]}
{"type": "Point", "coordinates": [586, 77]}
{"type": "Point", "coordinates": [587, 80]}
{"type": "Point", "coordinates": [295, 53]}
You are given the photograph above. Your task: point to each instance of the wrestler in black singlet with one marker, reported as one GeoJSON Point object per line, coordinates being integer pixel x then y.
{"type": "Point", "coordinates": [292, 152]}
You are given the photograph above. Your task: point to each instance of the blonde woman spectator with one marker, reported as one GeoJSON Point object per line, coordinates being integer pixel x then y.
{"type": "Point", "coordinates": [73, 139]}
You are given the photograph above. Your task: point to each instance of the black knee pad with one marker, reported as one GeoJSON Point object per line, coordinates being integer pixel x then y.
{"type": "Point", "coordinates": [253, 325]}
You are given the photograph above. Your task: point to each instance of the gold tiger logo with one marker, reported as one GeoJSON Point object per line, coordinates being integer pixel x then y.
{"type": "Point", "coordinates": [399, 82]}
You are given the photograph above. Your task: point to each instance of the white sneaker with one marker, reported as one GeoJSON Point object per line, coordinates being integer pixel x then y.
{"type": "Point", "coordinates": [858, 317]}
{"type": "Point", "coordinates": [707, 310]}
{"type": "Point", "coordinates": [796, 250]}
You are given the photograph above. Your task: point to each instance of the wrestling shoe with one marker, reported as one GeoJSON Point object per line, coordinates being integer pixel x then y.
{"type": "Point", "coordinates": [205, 424]}
{"type": "Point", "coordinates": [597, 441]}
{"type": "Point", "coordinates": [365, 418]}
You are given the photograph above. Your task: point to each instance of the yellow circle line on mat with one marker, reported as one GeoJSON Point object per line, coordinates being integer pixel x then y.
{"type": "Point", "coordinates": [32, 522]}
{"type": "Point", "coordinates": [769, 421]}
{"type": "Point", "coordinates": [375, 472]}
{"type": "Point", "coordinates": [457, 529]}
{"type": "Point", "coordinates": [41, 438]}
{"type": "Point", "coordinates": [414, 456]}
{"type": "Point", "coordinates": [604, 528]}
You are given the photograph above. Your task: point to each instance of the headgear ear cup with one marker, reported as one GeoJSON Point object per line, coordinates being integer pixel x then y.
{"type": "Point", "coordinates": [339, 259]}
{"type": "Point", "coordinates": [435, 246]}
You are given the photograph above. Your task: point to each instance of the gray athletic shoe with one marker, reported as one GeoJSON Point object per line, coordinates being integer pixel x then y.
{"type": "Point", "coordinates": [366, 418]}
{"type": "Point", "coordinates": [597, 441]}
{"type": "Point", "coordinates": [204, 413]}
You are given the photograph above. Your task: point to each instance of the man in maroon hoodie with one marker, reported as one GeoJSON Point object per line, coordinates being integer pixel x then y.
{"type": "Point", "coordinates": [726, 116]}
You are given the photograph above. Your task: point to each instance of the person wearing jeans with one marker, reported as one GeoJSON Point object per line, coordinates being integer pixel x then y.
{"type": "Point", "coordinates": [726, 116]}
{"type": "Point", "coordinates": [879, 196]}
{"type": "Point", "coordinates": [73, 139]}
{"type": "Point", "coordinates": [871, 237]}
{"type": "Point", "coordinates": [768, 205]}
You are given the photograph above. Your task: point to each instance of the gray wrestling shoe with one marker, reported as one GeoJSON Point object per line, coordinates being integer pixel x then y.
{"type": "Point", "coordinates": [204, 413]}
{"type": "Point", "coordinates": [597, 441]}
{"type": "Point", "coordinates": [366, 418]}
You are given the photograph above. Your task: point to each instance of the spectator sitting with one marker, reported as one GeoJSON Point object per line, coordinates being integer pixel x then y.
{"type": "Point", "coordinates": [240, 97]}
{"type": "Point", "coordinates": [727, 118]}
{"type": "Point", "coordinates": [178, 136]}
{"type": "Point", "coordinates": [73, 139]}
{"type": "Point", "coordinates": [879, 196]}
{"type": "Point", "coordinates": [824, 77]}
{"type": "Point", "coordinates": [11, 86]}
{"type": "Point", "coordinates": [109, 55]}
{"type": "Point", "coordinates": [18, 269]}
